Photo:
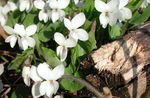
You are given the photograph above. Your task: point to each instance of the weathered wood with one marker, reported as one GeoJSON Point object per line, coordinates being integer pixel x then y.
{"type": "Point", "coordinates": [124, 65]}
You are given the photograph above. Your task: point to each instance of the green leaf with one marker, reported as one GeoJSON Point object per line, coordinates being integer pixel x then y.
{"type": "Point", "coordinates": [21, 91]}
{"type": "Point", "coordinates": [140, 18]}
{"type": "Point", "coordinates": [47, 31]}
{"type": "Point", "coordinates": [20, 58]}
{"type": "Point", "coordinates": [115, 32]}
{"type": "Point", "coordinates": [70, 84]}
{"type": "Point", "coordinates": [76, 52]}
{"type": "Point", "coordinates": [50, 57]}
{"type": "Point", "coordinates": [29, 19]}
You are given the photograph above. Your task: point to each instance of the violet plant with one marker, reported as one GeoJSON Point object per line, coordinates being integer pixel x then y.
{"type": "Point", "coordinates": [55, 34]}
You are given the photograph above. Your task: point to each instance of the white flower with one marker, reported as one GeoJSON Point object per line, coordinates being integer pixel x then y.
{"type": "Point", "coordinates": [108, 12]}
{"type": "Point", "coordinates": [45, 12]}
{"type": "Point", "coordinates": [3, 17]}
{"type": "Point", "coordinates": [73, 26]}
{"type": "Point", "coordinates": [26, 41]}
{"type": "Point", "coordinates": [26, 75]}
{"type": "Point", "coordinates": [10, 6]}
{"type": "Point", "coordinates": [14, 35]}
{"type": "Point", "coordinates": [1, 69]}
{"type": "Point", "coordinates": [64, 44]}
{"type": "Point", "coordinates": [124, 12]}
{"type": "Point", "coordinates": [145, 3]}
{"type": "Point", "coordinates": [25, 5]}
{"type": "Point", "coordinates": [30, 73]}
{"type": "Point", "coordinates": [57, 7]}
{"type": "Point", "coordinates": [49, 86]}
{"type": "Point", "coordinates": [79, 3]}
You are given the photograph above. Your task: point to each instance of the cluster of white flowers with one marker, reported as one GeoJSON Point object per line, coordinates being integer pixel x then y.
{"type": "Point", "coordinates": [44, 78]}
{"type": "Point", "coordinates": [10, 6]}
{"type": "Point", "coordinates": [22, 35]}
{"type": "Point", "coordinates": [75, 34]}
{"type": "Point", "coordinates": [113, 11]}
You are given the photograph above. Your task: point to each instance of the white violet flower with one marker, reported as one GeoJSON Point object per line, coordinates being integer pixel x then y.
{"type": "Point", "coordinates": [108, 12]}
{"type": "Point", "coordinates": [57, 7]}
{"type": "Point", "coordinates": [30, 73]}
{"type": "Point", "coordinates": [45, 12]}
{"type": "Point", "coordinates": [74, 27]}
{"type": "Point", "coordinates": [26, 40]}
{"type": "Point", "coordinates": [64, 44]}
{"type": "Point", "coordinates": [14, 35]}
{"type": "Point", "coordinates": [25, 5]}
{"type": "Point", "coordinates": [124, 12]}
{"type": "Point", "coordinates": [49, 85]}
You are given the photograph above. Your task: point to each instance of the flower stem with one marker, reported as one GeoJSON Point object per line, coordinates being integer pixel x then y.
{"type": "Point", "coordinates": [84, 83]}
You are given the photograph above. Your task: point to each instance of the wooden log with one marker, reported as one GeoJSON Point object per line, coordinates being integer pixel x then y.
{"type": "Point", "coordinates": [124, 65]}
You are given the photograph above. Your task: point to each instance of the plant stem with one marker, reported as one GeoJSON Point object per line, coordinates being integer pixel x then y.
{"type": "Point", "coordinates": [86, 84]}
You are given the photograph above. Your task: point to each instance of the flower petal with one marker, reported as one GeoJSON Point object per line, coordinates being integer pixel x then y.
{"type": "Point", "coordinates": [47, 88]}
{"type": "Point", "coordinates": [19, 29]}
{"type": "Point", "coordinates": [44, 70]}
{"type": "Point", "coordinates": [113, 5]}
{"type": "Point", "coordinates": [53, 4]}
{"type": "Point", "coordinates": [31, 41]}
{"type": "Point", "coordinates": [112, 19]}
{"type": "Point", "coordinates": [70, 42]}
{"type": "Point", "coordinates": [57, 96]}
{"type": "Point", "coordinates": [25, 75]}
{"type": "Point", "coordinates": [78, 20]}
{"type": "Point", "coordinates": [56, 86]}
{"type": "Point", "coordinates": [62, 52]}
{"type": "Point", "coordinates": [67, 24]}
{"type": "Point", "coordinates": [57, 72]}
{"type": "Point", "coordinates": [39, 4]}
{"type": "Point", "coordinates": [62, 4]}
{"type": "Point", "coordinates": [30, 30]}
{"type": "Point", "coordinates": [3, 19]}
{"type": "Point", "coordinates": [12, 39]}
{"type": "Point", "coordinates": [54, 16]}
{"type": "Point", "coordinates": [24, 5]}
{"type": "Point", "coordinates": [73, 35]}
{"type": "Point", "coordinates": [33, 74]}
{"type": "Point", "coordinates": [1, 69]}
{"type": "Point", "coordinates": [24, 43]}
{"type": "Point", "coordinates": [8, 29]}
{"type": "Point", "coordinates": [36, 90]}
{"type": "Point", "coordinates": [43, 15]}
{"type": "Point", "coordinates": [82, 34]}
{"type": "Point", "coordinates": [125, 13]}
{"type": "Point", "coordinates": [59, 38]}
{"type": "Point", "coordinates": [123, 3]}
{"type": "Point", "coordinates": [100, 5]}
{"type": "Point", "coordinates": [103, 20]}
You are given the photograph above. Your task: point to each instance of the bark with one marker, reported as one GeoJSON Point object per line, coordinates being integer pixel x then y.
{"type": "Point", "coordinates": [124, 65]}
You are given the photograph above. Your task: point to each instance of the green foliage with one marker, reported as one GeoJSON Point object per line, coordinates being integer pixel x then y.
{"type": "Point", "coordinates": [20, 58]}
{"type": "Point", "coordinates": [50, 57]}
{"type": "Point", "coordinates": [70, 84]}
{"type": "Point", "coordinates": [21, 91]}
{"type": "Point", "coordinates": [140, 18]}
{"type": "Point", "coordinates": [115, 32]}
